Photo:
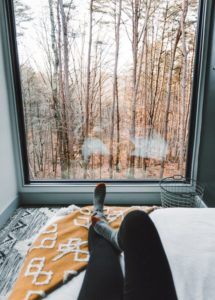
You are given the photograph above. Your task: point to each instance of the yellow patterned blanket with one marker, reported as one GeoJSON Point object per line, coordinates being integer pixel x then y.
{"type": "Point", "coordinates": [59, 253]}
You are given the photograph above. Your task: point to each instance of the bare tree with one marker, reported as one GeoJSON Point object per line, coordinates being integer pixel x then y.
{"type": "Point", "coordinates": [63, 150]}
{"type": "Point", "coordinates": [183, 85]}
{"type": "Point", "coordinates": [138, 35]}
{"type": "Point", "coordinates": [88, 79]}
{"type": "Point", "coordinates": [115, 103]}
{"type": "Point", "coordinates": [169, 88]}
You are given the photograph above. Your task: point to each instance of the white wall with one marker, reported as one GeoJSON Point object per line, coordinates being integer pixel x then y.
{"type": "Point", "coordinates": [8, 182]}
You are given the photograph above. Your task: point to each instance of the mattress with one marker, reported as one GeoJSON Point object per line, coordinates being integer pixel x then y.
{"type": "Point", "coordinates": [188, 237]}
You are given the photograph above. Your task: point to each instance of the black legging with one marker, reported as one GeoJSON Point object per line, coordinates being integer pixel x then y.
{"type": "Point", "coordinates": [147, 272]}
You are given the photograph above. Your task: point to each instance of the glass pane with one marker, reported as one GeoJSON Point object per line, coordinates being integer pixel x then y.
{"type": "Point", "coordinates": [106, 86]}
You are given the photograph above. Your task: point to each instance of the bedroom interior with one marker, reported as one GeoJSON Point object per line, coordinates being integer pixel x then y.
{"type": "Point", "coordinates": [27, 203]}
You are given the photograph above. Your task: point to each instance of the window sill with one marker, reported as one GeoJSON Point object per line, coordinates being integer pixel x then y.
{"type": "Point", "coordinates": [81, 194]}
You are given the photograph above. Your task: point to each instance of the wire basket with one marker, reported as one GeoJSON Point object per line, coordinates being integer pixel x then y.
{"type": "Point", "coordinates": [177, 191]}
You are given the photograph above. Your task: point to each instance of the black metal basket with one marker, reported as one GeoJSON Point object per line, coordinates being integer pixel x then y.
{"type": "Point", "coordinates": [178, 191]}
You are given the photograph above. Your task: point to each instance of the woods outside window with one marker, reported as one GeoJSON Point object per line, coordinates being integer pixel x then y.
{"type": "Point", "coordinates": [106, 87]}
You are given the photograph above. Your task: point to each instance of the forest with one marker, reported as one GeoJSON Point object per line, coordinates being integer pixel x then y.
{"type": "Point", "coordinates": [106, 86]}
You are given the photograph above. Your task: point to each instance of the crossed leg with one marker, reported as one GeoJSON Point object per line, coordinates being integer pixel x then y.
{"type": "Point", "coordinates": [103, 279]}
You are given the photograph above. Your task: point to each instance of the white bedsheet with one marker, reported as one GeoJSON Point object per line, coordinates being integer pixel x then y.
{"type": "Point", "coordinates": [188, 237]}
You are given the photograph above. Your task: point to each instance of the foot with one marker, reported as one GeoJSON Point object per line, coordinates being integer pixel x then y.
{"type": "Point", "coordinates": [99, 198]}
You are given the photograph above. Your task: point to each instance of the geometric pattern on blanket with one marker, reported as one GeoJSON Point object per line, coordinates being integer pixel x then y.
{"type": "Point", "coordinates": [59, 253]}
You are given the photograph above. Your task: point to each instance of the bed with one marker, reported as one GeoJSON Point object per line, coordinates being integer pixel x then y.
{"type": "Point", "coordinates": [188, 237]}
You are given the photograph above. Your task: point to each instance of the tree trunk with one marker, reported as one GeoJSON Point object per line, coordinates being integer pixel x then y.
{"type": "Point", "coordinates": [183, 86]}
{"type": "Point", "coordinates": [115, 93]}
{"type": "Point", "coordinates": [67, 135]}
{"type": "Point", "coordinates": [88, 82]}
{"type": "Point", "coordinates": [56, 103]}
{"type": "Point", "coordinates": [168, 94]}
{"type": "Point", "coordinates": [137, 71]}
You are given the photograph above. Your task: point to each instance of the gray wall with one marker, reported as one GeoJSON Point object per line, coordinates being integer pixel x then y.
{"type": "Point", "coordinates": [206, 165]}
{"type": "Point", "coordinates": [8, 183]}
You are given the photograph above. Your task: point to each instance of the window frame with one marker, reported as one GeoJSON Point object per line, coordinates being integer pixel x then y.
{"type": "Point", "coordinates": [119, 192]}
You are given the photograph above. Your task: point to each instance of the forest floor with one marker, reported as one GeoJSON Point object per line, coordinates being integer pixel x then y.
{"type": "Point", "coordinates": [152, 172]}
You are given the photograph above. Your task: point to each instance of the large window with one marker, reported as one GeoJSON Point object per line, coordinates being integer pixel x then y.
{"type": "Point", "coordinates": [106, 87]}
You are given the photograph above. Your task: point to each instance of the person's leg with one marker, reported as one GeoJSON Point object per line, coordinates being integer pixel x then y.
{"type": "Point", "coordinates": [99, 221]}
{"type": "Point", "coordinates": [147, 272]}
{"type": "Point", "coordinates": [103, 279]}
